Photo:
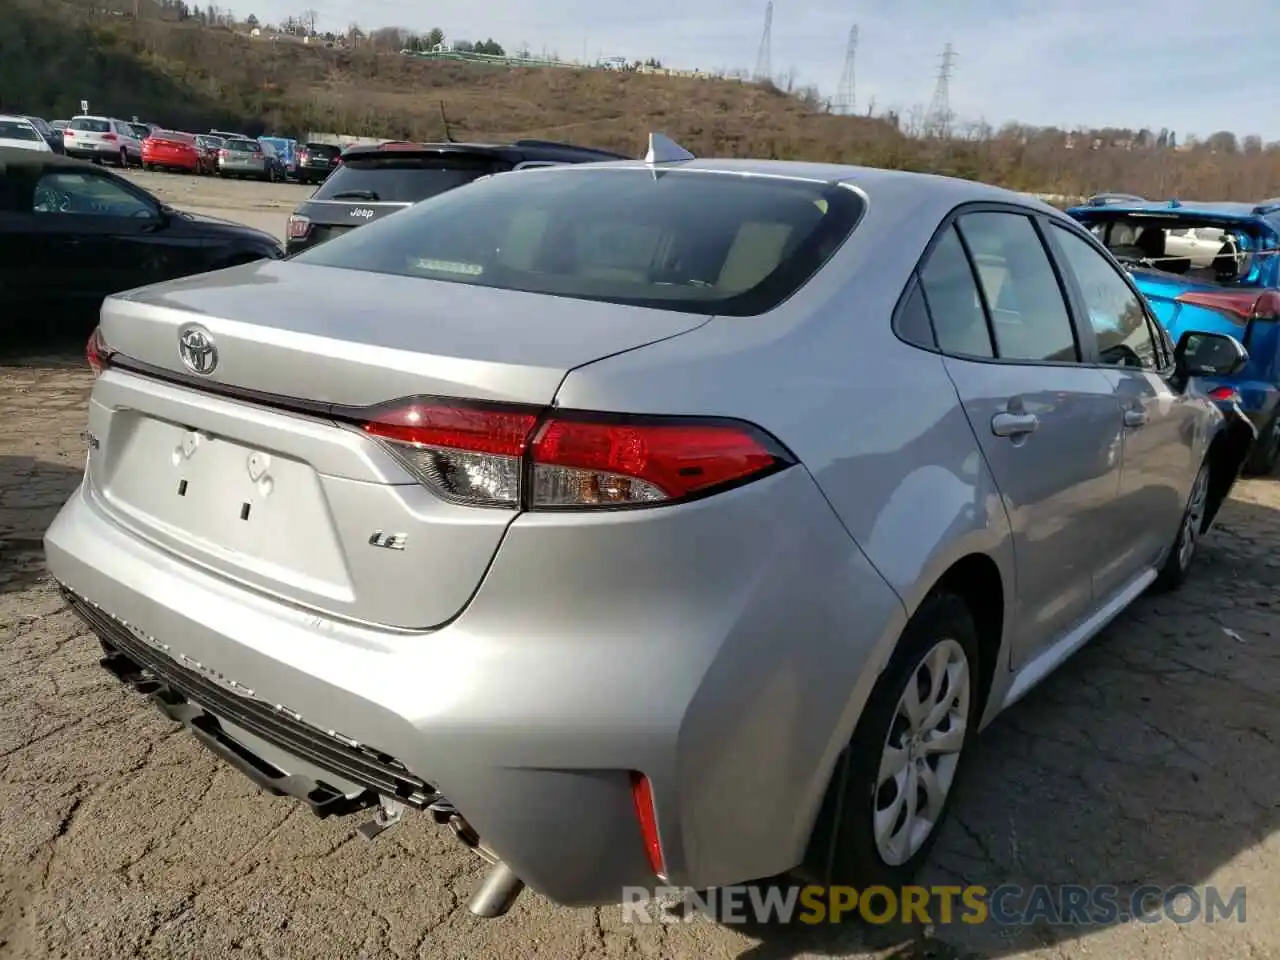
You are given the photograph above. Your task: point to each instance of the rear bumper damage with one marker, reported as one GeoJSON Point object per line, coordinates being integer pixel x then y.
{"type": "Point", "coordinates": [729, 676]}
{"type": "Point", "coordinates": [374, 781]}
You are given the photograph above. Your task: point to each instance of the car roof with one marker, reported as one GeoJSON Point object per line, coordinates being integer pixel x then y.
{"type": "Point", "coordinates": [527, 149]}
{"type": "Point", "coordinates": [17, 157]}
{"type": "Point", "coordinates": [17, 117]}
{"type": "Point", "coordinates": [937, 190]}
{"type": "Point", "coordinates": [1268, 211]}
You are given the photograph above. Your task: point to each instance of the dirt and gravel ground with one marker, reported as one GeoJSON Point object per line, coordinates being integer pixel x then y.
{"type": "Point", "coordinates": [1149, 759]}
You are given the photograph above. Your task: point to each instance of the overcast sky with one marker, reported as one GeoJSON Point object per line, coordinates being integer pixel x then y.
{"type": "Point", "coordinates": [1087, 62]}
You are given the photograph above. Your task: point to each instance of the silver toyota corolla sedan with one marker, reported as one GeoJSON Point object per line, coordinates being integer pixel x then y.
{"type": "Point", "coordinates": [666, 521]}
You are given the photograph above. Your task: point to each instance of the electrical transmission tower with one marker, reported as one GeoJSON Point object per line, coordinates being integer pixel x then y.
{"type": "Point", "coordinates": [764, 59]}
{"type": "Point", "coordinates": [847, 96]}
{"type": "Point", "coordinates": [938, 120]}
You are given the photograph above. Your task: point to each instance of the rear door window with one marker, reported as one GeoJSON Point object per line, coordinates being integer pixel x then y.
{"type": "Point", "coordinates": [1029, 316]}
{"type": "Point", "coordinates": [690, 241]}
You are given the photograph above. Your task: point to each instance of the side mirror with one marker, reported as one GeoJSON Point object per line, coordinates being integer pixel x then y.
{"type": "Point", "coordinates": [1200, 354]}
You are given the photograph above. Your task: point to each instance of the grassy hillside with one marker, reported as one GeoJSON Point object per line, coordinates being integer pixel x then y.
{"type": "Point", "coordinates": [53, 53]}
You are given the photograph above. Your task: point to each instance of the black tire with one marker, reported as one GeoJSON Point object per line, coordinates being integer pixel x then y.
{"type": "Point", "coordinates": [1178, 564]}
{"type": "Point", "coordinates": [124, 159]}
{"type": "Point", "coordinates": [843, 849]}
{"type": "Point", "coordinates": [1266, 449]}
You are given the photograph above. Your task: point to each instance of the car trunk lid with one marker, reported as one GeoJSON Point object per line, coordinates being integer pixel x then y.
{"type": "Point", "coordinates": [258, 470]}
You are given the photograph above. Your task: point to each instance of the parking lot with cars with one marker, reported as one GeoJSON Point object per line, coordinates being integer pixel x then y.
{"type": "Point", "coordinates": [1147, 759]}
{"type": "Point", "coordinates": [264, 206]}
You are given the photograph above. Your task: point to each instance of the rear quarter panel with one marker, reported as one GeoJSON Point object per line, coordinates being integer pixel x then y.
{"type": "Point", "coordinates": [875, 421]}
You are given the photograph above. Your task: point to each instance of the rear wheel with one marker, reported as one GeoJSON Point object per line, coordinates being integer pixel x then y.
{"type": "Point", "coordinates": [124, 158]}
{"type": "Point", "coordinates": [895, 782]}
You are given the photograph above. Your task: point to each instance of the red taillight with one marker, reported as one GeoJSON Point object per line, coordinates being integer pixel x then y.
{"type": "Point", "coordinates": [68, 133]}
{"type": "Point", "coordinates": [299, 227]}
{"type": "Point", "coordinates": [642, 797]}
{"type": "Point", "coordinates": [466, 454]}
{"type": "Point", "coordinates": [581, 462]}
{"type": "Point", "coordinates": [97, 352]}
{"type": "Point", "coordinates": [110, 136]}
{"type": "Point", "coordinates": [1240, 306]}
{"type": "Point", "coordinates": [1223, 393]}
{"type": "Point", "coordinates": [257, 156]}
{"type": "Point", "coordinates": [509, 456]}
{"type": "Point", "coordinates": [224, 153]}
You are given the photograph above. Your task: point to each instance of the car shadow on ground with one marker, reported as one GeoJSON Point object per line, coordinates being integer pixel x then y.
{"type": "Point", "coordinates": [31, 491]}
{"type": "Point", "coordinates": [1148, 760]}
{"type": "Point", "coordinates": [59, 348]}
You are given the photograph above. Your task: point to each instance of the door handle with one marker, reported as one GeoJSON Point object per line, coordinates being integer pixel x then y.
{"type": "Point", "coordinates": [1014, 424]}
{"type": "Point", "coordinates": [1135, 418]}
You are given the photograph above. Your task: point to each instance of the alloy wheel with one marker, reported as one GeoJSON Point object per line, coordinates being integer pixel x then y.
{"type": "Point", "coordinates": [1193, 519]}
{"type": "Point", "coordinates": [922, 752]}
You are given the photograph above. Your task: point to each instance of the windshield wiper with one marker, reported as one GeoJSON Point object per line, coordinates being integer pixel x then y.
{"type": "Point", "coordinates": [356, 195]}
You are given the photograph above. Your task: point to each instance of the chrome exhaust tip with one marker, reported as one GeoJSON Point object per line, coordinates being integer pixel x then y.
{"type": "Point", "coordinates": [498, 893]}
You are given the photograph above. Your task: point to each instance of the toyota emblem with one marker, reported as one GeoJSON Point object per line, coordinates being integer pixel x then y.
{"type": "Point", "coordinates": [196, 348]}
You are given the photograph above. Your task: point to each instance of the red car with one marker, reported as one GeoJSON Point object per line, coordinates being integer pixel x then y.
{"type": "Point", "coordinates": [172, 150]}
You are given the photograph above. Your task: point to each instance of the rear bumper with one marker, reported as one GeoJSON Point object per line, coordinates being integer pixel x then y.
{"type": "Point", "coordinates": [721, 648]}
{"type": "Point", "coordinates": [162, 158]}
{"type": "Point", "coordinates": [244, 168]}
{"type": "Point", "coordinates": [92, 150]}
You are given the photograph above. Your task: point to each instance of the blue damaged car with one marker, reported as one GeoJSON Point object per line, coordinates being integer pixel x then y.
{"type": "Point", "coordinates": [1209, 267]}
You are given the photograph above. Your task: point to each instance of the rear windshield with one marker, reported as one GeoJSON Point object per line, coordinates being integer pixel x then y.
{"type": "Point", "coordinates": [322, 149]}
{"type": "Point", "coordinates": [17, 130]}
{"type": "Point", "coordinates": [91, 126]}
{"type": "Point", "coordinates": [1199, 248]}
{"type": "Point", "coordinates": [689, 241]}
{"type": "Point", "coordinates": [401, 179]}
{"type": "Point", "coordinates": [242, 146]}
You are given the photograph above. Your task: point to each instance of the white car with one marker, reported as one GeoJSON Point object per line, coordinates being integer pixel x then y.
{"type": "Point", "coordinates": [102, 139]}
{"type": "Point", "coordinates": [21, 133]}
{"type": "Point", "coordinates": [1199, 244]}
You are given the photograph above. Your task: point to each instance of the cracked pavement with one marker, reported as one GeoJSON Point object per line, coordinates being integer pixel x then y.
{"type": "Point", "coordinates": [1150, 758]}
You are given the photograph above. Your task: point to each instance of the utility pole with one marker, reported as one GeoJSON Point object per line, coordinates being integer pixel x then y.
{"type": "Point", "coordinates": [938, 120]}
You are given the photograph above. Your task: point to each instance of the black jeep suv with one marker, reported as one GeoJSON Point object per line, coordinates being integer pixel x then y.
{"type": "Point", "coordinates": [371, 182]}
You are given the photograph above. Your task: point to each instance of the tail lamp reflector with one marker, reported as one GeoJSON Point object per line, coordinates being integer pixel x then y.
{"type": "Point", "coordinates": [97, 352]}
{"type": "Point", "coordinates": [514, 456]}
{"type": "Point", "coordinates": [642, 797]}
